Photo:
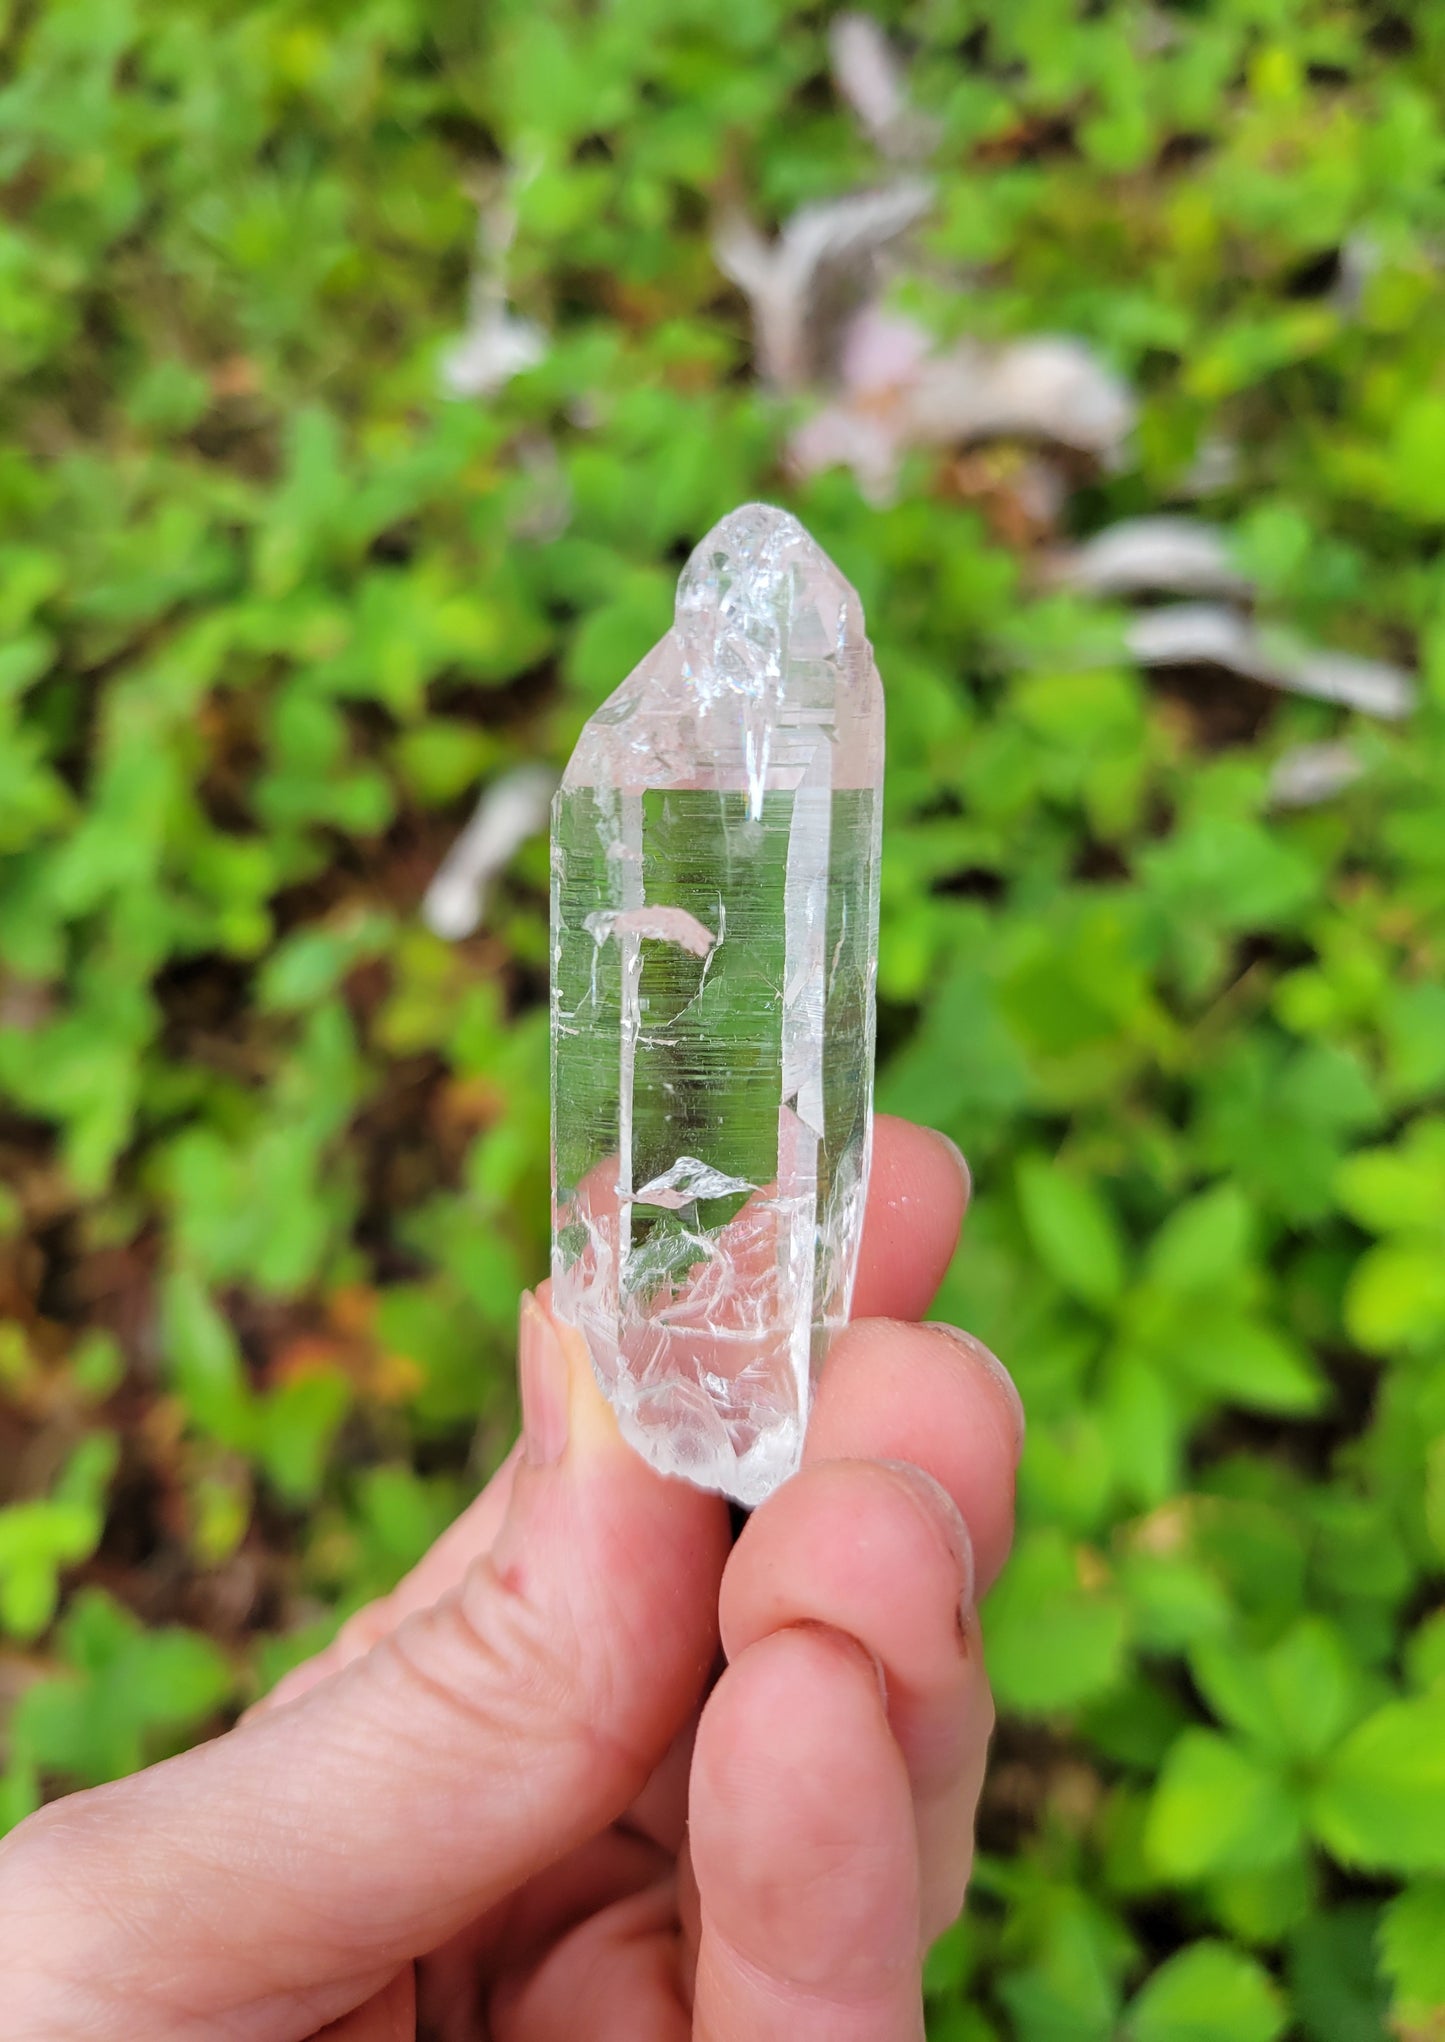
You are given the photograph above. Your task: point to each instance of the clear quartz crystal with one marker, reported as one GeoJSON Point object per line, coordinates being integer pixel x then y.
{"type": "Point", "coordinates": [715, 851]}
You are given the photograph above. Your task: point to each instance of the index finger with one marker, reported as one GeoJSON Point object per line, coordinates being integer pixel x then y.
{"type": "Point", "coordinates": [917, 1193]}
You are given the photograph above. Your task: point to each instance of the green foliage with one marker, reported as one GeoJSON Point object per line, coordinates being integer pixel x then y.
{"type": "Point", "coordinates": [124, 1696]}
{"type": "Point", "coordinates": [274, 1157]}
{"type": "Point", "coordinates": [1335, 1983]}
{"type": "Point", "coordinates": [1381, 1800]}
{"type": "Point", "coordinates": [1057, 1634]}
{"type": "Point", "coordinates": [1208, 1993]}
{"type": "Point", "coordinates": [39, 1540]}
{"type": "Point", "coordinates": [1412, 1948]}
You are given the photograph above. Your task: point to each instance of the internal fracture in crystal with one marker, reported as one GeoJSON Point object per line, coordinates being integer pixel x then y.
{"type": "Point", "coordinates": [715, 851]}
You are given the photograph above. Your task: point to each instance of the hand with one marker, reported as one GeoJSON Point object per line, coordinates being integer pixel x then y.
{"type": "Point", "coordinates": [506, 1803]}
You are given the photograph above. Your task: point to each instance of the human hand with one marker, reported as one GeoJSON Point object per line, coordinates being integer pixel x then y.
{"type": "Point", "coordinates": [505, 1803]}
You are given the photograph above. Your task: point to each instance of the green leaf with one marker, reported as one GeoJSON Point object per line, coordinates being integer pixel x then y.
{"type": "Point", "coordinates": [1202, 1244]}
{"type": "Point", "coordinates": [204, 1362]}
{"type": "Point", "coordinates": [1219, 1808]}
{"type": "Point", "coordinates": [1244, 1361]}
{"type": "Point", "coordinates": [1425, 1652]}
{"type": "Point", "coordinates": [1294, 1701]}
{"type": "Point", "coordinates": [1336, 1988]}
{"type": "Point", "coordinates": [1174, 1599]}
{"type": "Point", "coordinates": [1148, 1423]}
{"type": "Point", "coordinates": [951, 1959]}
{"type": "Point", "coordinates": [1380, 1803]}
{"type": "Point", "coordinates": [1068, 1473]}
{"type": "Point", "coordinates": [1396, 1296]}
{"type": "Point", "coordinates": [962, 1067]}
{"type": "Point", "coordinates": [1057, 1631]}
{"type": "Point", "coordinates": [1412, 1950]}
{"type": "Point", "coordinates": [1401, 1189]}
{"type": "Point", "coordinates": [1230, 873]}
{"type": "Point", "coordinates": [19, 1793]}
{"type": "Point", "coordinates": [616, 635]}
{"type": "Point", "coordinates": [1435, 1494]}
{"type": "Point", "coordinates": [1259, 1908]}
{"type": "Point", "coordinates": [1413, 1025]}
{"type": "Point", "coordinates": [438, 1334]}
{"type": "Point", "coordinates": [1066, 1988]}
{"type": "Point", "coordinates": [1416, 458]}
{"type": "Point", "coordinates": [1313, 1686]}
{"type": "Point", "coordinates": [127, 1695]}
{"type": "Point", "coordinates": [1278, 1122]}
{"type": "Point", "coordinates": [445, 758]}
{"type": "Point", "coordinates": [308, 966]}
{"type": "Point", "coordinates": [298, 1422]}
{"type": "Point", "coordinates": [1207, 1993]}
{"type": "Point", "coordinates": [1072, 1230]}
{"type": "Point", "coordinates": [40, 1539]}
{"type": "Point", "coordinates": [1259, 1550]}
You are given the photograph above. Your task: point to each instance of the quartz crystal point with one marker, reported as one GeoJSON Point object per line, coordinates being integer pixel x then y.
{"type": "Point", "coordinates": [715, 850]}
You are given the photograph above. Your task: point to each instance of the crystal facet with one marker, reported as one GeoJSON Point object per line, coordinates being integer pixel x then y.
{"type": "Point", "coordinates": [715, 850]}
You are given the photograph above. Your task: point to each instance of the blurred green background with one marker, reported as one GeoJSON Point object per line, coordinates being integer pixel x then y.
{"type": "Point", "coordinates": [291, 563]}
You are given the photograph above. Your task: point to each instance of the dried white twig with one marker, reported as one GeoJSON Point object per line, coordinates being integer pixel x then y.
{"type": "Point", "coordinates": [1050, 387]}
{"type": "Point", "coordinates": [510, 811]}
{"type": "Point", "coordinates": [869, 75]}
{"type": "Point", "coordinates": [1206, 634]}
{"type": "Point", "coordinates": [1153, 556]}
{"type": "Point", "coordinates": [822, 266]}
{"type": "Point", "coordinates": [543, 508]}
{"type": "Point", "coordinates": [863, 428]}
{"type": "Point", "coordinates": [1360, 257]}
{"type": "Point", "coordinates": [1215, 467]}
{"type": "Point", "coordinates": [896, 394]}
{"type": "Point", "coordinates": [1308, 774]}
{"type": "Point", "coordinates": [497, 343]}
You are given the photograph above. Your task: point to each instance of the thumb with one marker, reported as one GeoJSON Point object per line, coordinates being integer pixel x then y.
{"type": "Point", "coordinates": [384, 1809]}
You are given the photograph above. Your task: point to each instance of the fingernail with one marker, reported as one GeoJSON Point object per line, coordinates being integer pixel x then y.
{"type": "Point", "coordinates": [543, 1379]}
{"type": "Point", "coordinates": [959, 1158]}
{"type": "Point", "coordinates": [945, 1513]}
{"type": "Point", "coordinates": [991, 1364]}
{"type": "Point", "coordinates": [850, 1644]}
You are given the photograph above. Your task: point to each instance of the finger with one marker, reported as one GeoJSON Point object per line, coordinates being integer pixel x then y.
{"type": "Point", "coordinates": [390, 2017]}
{"type": "Point", "coordinates": [660, 1810]}
{"type": "Point", "coordinates": [621, 1967]}
{"type": "Point", "coordinates": [937, 1399]}
{"type": "Point", "coordinates": [453, 1983]}
{"type": "Point", "coordinates": [483, 1739]}
{"type": "Point", "coordinates": [464, 1541]}
{"type": "Point", "coordinates": [917, 1190]}
{"type": "Point", "coordinates": [803, 1851]}
{"type": "Point", "coordinates": [878, 1551]}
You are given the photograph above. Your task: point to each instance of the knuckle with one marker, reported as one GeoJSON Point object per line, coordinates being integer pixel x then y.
{"type": "Point", "coordinates": [515, 1669]}
{"type": "Point", "coordinates": [363, 1629]}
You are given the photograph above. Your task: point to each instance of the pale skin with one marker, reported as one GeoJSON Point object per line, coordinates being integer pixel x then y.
{"type": "Point", "coordinates": [517, 1800]}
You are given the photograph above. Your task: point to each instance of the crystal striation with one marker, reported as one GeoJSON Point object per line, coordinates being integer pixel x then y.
{"type": "Point", "coordinates": [715, 852]}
